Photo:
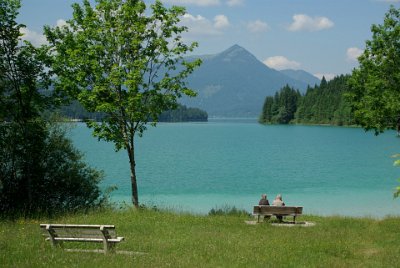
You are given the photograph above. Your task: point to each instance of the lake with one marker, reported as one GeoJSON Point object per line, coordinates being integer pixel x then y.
{"type": "Point", "coordinates": [199, 166]}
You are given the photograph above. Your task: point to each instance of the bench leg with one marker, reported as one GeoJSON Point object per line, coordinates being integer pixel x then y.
{"type": "Point", "coordinates": [52, 235]}
{"type": "Point", "coordinates": [105, 246]}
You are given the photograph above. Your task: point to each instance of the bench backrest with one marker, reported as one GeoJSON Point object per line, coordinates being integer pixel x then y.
{"type": "Point", "coordinates": [79, 230]}
{"type": "Point", "coordinates": [284, 210]}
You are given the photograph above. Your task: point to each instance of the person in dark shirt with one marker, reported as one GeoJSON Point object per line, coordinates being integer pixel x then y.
{"type": "Point", "coordinates": [263, 200]}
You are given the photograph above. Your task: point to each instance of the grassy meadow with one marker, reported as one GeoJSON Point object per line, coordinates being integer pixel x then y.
{"type": "Point", "coordinates": [165, 239]}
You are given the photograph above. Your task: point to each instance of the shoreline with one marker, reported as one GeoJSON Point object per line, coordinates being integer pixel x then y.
{"type": "Point", "coordinates": [322, 204]}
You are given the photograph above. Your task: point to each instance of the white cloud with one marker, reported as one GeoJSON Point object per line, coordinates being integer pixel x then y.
{"type": "Point", "coordinates": [281, 63]}
{"type": "Point", "coordinates": [232, 3]}
{"type": "Point", "coordinates": [257, 26]}
{"type": "Point", "coordinates": [389, 1]}
{"type": "Point", "coordinates": [194, 2]}
{"type": "Point", "coordinates": [61, 23]}
{"type": "Point", "coordinates": [302, 22]}
{"type": "Point", "coordinates": [353, 53]}
{"type": "Point", "coordinates": [328, 76]}
{"type": "Point", "coordinates": [35, 38]}
{"type": "Point", "coordinates": [199, 25]}
{"type": "Point", "coordinates": [221, 21]}
{"type": "Point", "coordinates": [38, 39]}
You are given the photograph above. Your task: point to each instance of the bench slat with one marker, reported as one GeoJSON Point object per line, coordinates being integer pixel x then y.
{"type": "Point", "coordinates": [83, 226]}
{"type": "Point", "coordinates": [80, 239]}
{"type": "Point", "coordinates": [81, 232]}
{"type": "Point", "coordinates": [277, 210]}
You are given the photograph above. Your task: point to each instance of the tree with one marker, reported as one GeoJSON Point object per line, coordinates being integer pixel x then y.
{"type": "Point", "coordinates": [280, 108]}
{"type": "Point", "coordinates": [21, 68]}
{"type": "Point", "coordinates": [375, 85]}
{"type": "Point", "coordinates": [39, 169]}
{"type": "Point", "coordinates": [120, 59]}
{"type": "Point", "coordinates": [266, 114]}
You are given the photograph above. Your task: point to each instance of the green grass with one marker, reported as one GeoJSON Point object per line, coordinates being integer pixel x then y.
{"type": "Point", "coordinates": [182, 240]}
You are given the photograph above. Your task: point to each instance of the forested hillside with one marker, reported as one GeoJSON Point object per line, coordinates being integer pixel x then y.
{"type": "Point", "coordinates": [321, 104]}
{"type": "Point", "coordinates": [180, 114]}
{"type": "Point", "coordinates": [184, 114]}
{"type": "Point", "coordinates": [282, 107]}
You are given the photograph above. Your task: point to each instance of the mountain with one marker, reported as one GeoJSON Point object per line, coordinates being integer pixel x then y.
{"type": "Point", "coordinates": [302, 76]}
{"type": "Point", "coordinates": [234, 83]}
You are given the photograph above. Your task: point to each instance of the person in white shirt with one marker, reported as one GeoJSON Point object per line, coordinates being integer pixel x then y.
{"type": "Point", "coordinates": [279, 203]}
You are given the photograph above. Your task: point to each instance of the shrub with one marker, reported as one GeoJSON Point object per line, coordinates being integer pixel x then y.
{"type": "Point", "coordinates": [41, 172]}
{"type": "Point", "coordinates": [228, 211]}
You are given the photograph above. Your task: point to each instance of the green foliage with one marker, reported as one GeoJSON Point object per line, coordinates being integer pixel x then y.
{"type": "Point", "coordinates": [23, 68]}
{"type": "Point", "coordinates": [183, 114]}
{"type": "Point", "coordinates": [375, 94]}
{"type": "Point", "coordinates": [321, 104]}
{"type": "Point", "coordinates": [281, 108]}
{"type": "Point", "coordinates": [228, 211]}
{"type": "Point", "coordinates": [40, 171]}
{"type": "Point", "coordinates": [375, 85]}
{"type": "Point", "coordinates": [326, 104]}
{"type": "Point", "coordinates": [116, 59]}
{"type": "Point", "coordinates": [123, 60]}
{"type": "Point", "coordinates": [43, 173]}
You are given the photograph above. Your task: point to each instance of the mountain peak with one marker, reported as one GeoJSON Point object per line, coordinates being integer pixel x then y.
{"type": "Point", "coordinates": [236, 53]}
{"type": "Point", "coordinates": [235, 47]}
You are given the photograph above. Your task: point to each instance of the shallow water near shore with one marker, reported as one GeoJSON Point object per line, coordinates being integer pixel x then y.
{"type": "Point", "coordinates": [195, 167]}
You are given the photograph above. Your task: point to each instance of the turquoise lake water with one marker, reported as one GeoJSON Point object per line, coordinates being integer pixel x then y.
{"type": "Point", "coordinates": [199, 166]}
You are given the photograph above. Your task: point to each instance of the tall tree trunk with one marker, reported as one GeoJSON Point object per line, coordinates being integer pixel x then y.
{"type": "Point", "coordinates": [135, 194]}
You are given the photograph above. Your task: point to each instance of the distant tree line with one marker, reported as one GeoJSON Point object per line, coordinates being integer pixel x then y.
{"type": "Point", "coordinates": [322, 104]}
{"type": "Point", "coordinates": [181, 114]}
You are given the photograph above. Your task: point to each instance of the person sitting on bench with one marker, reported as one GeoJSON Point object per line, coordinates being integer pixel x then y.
{"type": "Point", "coordinates": [279, 203]}
{"type": "Point", "coordinates": [264, 202]}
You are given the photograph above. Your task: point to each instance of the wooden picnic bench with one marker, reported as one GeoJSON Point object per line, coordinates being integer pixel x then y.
{"type": "Point", "coordinates": [277, 211]}
{"type": "Point", "coordinates": [58, 233]}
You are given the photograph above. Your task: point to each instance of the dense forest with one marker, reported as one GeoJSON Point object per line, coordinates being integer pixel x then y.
{"type": "Point", "coordinates": [321, 104]}
{"type": "Point", "coordinates": [184, 114]}
{"type": "Point", "coordinates": [181, 114]}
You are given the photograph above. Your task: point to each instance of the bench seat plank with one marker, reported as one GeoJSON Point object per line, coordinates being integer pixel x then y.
{"type": "Point", "coordinates": [79, 239]}
{"type": "Point", "coordinates": [83, 226]}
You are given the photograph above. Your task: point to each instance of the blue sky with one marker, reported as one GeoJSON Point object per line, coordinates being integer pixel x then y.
{"type": "Point", "coordinates": [323, 37]}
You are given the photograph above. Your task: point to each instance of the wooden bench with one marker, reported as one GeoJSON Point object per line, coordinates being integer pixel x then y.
{"type": "Point", "coordinates": [58, 233]}
{"type": "Point", "coordinates": [277, 211]}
